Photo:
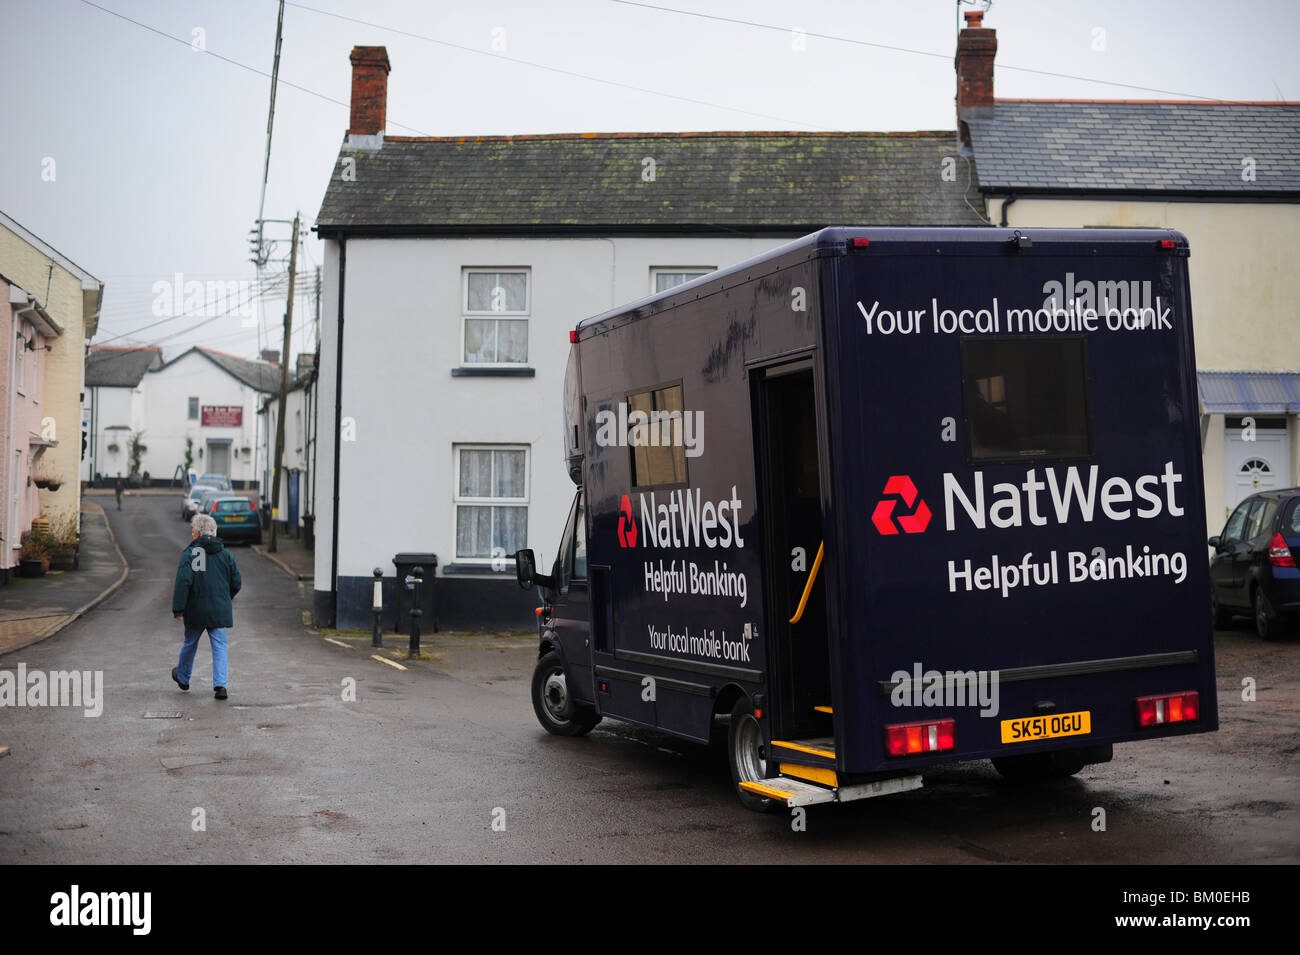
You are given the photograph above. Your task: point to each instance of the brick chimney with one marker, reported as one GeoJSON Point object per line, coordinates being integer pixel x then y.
{"type": "Point", "coordinates": [271, 355]}
{"type": "Point", "coordinates": [976, 48]}
{"type": "Point", "coordinates": [369, 90]}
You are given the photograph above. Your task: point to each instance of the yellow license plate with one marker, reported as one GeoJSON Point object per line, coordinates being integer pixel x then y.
{"type": "Point", "coordinates": [1026, 729]}
{"type": "Point", "coordinates": [236, 518]}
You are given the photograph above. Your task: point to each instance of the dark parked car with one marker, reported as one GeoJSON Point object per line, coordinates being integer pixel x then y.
{"type": "Point", "coordinates": [236, 517]}
{"type": "Point", "coordinates": [1253, 569]}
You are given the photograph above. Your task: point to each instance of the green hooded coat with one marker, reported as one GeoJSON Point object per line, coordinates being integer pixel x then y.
{"type": "Point", "coordinates": [206, 581]}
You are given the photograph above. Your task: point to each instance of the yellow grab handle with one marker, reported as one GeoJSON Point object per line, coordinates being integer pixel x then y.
{"type": "Point", "coordinates": [807, 588]}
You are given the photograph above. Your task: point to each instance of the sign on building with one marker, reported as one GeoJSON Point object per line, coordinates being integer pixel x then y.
{"type": "Point", "coordinates": [222, 416]}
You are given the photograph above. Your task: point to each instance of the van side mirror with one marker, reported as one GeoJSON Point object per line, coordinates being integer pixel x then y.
{"type": "Point", "coordinates": [526, 571]}
{"type": "Point", "coordinates": [1215, 542]}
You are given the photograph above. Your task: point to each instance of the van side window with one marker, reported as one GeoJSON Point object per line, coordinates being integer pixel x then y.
{"type": "Point", "coordinates": [1026, 398]}
{"type": "Point", "coordinates": [571, 564]}
{"type": "Point", "coordinates": [580, 543]}
{"type": "Point", "coordinates": [656, 438]}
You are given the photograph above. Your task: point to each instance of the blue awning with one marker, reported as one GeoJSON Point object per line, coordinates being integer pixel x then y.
{"type": "Point", "coordinates": [1241, 392]}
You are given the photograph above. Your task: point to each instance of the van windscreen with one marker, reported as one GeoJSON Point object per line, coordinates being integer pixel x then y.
{"type": "Point", "coordinates": [1026, 398]}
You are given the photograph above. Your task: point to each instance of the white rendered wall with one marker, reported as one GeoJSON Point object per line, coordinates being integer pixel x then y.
{"type": "Point", "coordinates": [402, 334]}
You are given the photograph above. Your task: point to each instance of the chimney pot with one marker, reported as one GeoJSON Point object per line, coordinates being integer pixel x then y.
{"type": "Point", "coordinates": [370, 70]}
{"type": "Point", "coordinates": [974, 18]}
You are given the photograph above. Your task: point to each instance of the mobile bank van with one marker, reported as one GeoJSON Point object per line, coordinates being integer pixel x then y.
{"type": "Point", "coordinates": [884, 499]}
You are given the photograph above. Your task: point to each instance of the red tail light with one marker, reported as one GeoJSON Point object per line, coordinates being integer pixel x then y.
{"type": "Point", "coordinates": [1279, 552]}
{"type": "Point", "coordinates": [908, 739]}
{"type": "Point", "coordinates": [1168, 708]}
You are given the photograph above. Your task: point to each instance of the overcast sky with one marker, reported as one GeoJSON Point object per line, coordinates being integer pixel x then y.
{"type": "Point", "coordinates": [140, 157]}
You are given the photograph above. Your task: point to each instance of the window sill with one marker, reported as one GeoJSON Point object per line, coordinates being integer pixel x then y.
{"type": "Point", "coordinates": [482, 570]}
{"type": "Point", "coordinates": [496, 372]}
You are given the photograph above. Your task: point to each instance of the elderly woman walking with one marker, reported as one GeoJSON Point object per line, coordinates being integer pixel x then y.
{"type": "Point", "coordinates": [207, 579]}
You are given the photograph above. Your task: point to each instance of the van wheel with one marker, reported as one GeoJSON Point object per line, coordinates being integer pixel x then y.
{"type": "Point", "coordinates": [747, 756]}
{"type": "Point", "coordinates": [1038, 767]}
{"type": "Point", "coordinates": [555, 708]}
{"type": "Point", "coordinates": [1266, 623]}
{"type": "Point", "coordinates": [1222, 616]}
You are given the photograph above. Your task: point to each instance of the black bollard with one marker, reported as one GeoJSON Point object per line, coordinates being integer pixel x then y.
{"type": "Point", "coordinates": [377, 608]}
{"type": "Point", "coordinates": [416, 579]}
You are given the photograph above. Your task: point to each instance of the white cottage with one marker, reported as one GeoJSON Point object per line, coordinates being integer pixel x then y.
{"type": "Point", "coordinates": [455, 268]}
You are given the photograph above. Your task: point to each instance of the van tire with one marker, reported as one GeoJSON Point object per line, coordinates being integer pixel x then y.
{"type": "Point", "coordinates": [745, 749]}
{"type": "Point", "coordinates": [1266, 623]}
{"type": "Point", "coordinates": [555, 710]}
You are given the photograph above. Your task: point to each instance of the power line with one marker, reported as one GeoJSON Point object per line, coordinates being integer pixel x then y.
{"type": "Point", "coordinates": [553, 69]}
{"type": "Point", "coordinates": [897, 49]}
{"type": "Point", "coordinates": [208, 321]}
{"type": "Point", "coordinates": [184, 314]}
{"type": "Point", "coordinates": [225, 59]}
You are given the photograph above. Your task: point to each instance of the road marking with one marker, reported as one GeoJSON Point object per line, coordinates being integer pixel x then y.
{"type": "Point", "coordinates": [376, 656]}
{"type": "Point", "coordinates": [337, 643]}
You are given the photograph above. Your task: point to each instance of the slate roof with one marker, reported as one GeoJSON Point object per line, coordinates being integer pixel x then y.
{"type": "Point", "coordinates": [703, 182]}
{"type": "Point", "coordinates": [1131, 146]}
{"type": "Point", "coordinates": [110, 367]}
{"type": "Point", "coordinates": [258, 375]}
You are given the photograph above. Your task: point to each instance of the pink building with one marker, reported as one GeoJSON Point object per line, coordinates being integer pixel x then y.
{"type": "Point", "coordinates": [25, 331]}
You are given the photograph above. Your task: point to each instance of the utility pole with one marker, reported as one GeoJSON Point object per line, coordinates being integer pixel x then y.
{"type": "Point", "coordinates": [284, 386]}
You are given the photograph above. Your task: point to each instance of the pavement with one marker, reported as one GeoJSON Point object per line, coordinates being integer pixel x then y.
{"type": "Point", "coordinates": [33, 608]}
{"type": "Point", "coordinates": [290, 556]}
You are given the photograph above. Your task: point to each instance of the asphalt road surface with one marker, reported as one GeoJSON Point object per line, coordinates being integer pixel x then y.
{"type": "Point", "coordinates": [445, 762]}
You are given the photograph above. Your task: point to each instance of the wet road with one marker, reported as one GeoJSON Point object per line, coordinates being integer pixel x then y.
{"type": "Point", "coordinates": [423, 763]}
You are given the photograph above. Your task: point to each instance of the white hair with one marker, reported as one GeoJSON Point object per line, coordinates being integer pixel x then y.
{"type": "Point", "coordinates": [205, 525]}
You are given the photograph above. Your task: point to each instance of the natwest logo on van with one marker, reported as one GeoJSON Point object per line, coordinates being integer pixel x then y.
{"type": "Point", "coordinates": [1071, 494]}
{"type": "Point", "coordinates": [626, 523]}
{"type": "Point", "coordinates": [900, 485]}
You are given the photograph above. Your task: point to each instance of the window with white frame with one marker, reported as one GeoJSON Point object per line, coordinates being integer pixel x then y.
{"type": "Point", "coordinates": [491, 501]}
{"type": "Point", "coordinates": [194, 409]}
{"type": "Point", "coordinates": [496, 304]}
{"type": "Point", "coordinates": [662, 279]}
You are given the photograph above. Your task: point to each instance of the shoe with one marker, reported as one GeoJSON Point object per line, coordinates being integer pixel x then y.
{"type": "Point", "coordinates": [219, 692]}
{"type": "Point", "coordinates": [183, 686]}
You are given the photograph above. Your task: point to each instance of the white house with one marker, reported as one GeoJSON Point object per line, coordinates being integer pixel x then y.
{"type": "Point", "coordinates": [205, 402]}
{"type": "Point", "coordinates": [113, 406]}
{"type": "Point", "coordinates": [455, 269]}
{"type": "Point", "coordinates": [296, 505]}
{"type": "Point", "coordinates": [1227, 175]}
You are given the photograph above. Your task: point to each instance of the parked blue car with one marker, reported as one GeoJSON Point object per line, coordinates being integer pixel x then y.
{"type": "Point", "coordinates": [1254, 568]}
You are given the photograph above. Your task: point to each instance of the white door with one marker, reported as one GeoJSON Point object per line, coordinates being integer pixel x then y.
{"type": "Point", "coordinates": [1254, 465]}
{"type": "Point", "coordinates": [218, 459]}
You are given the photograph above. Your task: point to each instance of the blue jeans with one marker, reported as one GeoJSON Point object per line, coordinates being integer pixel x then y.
{"type": "Point", "coordinates": [217, 636]}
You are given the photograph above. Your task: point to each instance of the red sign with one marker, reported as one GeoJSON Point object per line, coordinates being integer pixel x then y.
{"type": "Point", "coordinates": [222, 416]}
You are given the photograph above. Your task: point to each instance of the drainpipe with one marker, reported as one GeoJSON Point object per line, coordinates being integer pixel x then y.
{"type": "Point", "coordinates": [1006, 203]}
{"type": "Point", "coordinates": [338, 432]}
{"type": "Point", "coordinates": [19, 315]}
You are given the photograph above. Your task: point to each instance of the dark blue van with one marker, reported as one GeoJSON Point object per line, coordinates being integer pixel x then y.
{"type": "Point", "coordinates": [883, 499]}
